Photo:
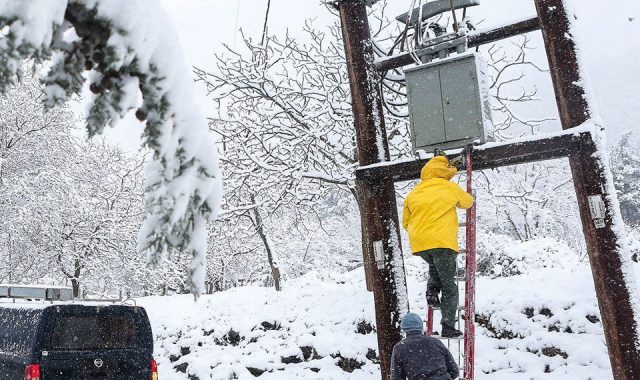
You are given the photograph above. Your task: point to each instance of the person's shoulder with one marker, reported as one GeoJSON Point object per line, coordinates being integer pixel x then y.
{"type": "Point", "coordinates": [433, 183]}
{"type": "Point", "coordinates": [400, 343]}
{"type": "Point", "coordinates": [418, 190]}
{"type": "Point", "coordinates": [398, 347]}
{"type": "Point", "coordinates": [450, 183]}
{"type": "Point", "coordinates": [434, 341]}
{"type": "Point", "coordinates": [442, 182]}
{"type": "Point", "coordinates": [414, 190]}
{"type": "Point", "coordinates": [454, 187]}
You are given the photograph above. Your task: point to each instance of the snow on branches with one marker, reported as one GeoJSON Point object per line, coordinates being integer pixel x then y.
{"type": "Point", "coordinates": [122, 56]}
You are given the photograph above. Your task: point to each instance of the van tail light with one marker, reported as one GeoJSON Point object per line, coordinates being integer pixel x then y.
{"type": "Point", "coordinates": [32, 372]}
{"type": "Point", "coordinates": [154, 370]}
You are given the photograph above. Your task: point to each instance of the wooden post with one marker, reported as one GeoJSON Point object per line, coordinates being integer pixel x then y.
{"type": "Point", "coordinates": [379, 215]}
{"type": "Point", "coordinates": [590, 179]}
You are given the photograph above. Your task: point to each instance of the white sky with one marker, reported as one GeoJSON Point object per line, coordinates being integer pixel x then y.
{"type": "Point", "coordinates": [609, 34]}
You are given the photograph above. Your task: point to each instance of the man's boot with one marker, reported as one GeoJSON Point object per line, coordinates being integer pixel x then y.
{"type": "Point", "coordinates": [450, 332]}
{"type": "Point", "coordinates": [433, 299]}
{"type": "Point", "coordinates": [434, 286]}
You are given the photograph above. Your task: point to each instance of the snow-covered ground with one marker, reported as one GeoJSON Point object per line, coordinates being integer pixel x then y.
{"type": "Point", "coordinates": [541, 324]}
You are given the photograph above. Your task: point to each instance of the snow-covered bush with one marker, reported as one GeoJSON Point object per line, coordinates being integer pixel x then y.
{"type": "Point", "coordinates": [121, 57]}
{"type": "Point", "coordinates": [502, 256]}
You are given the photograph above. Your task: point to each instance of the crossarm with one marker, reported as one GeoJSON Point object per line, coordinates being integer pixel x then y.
{"type": "Point", "coordinates": [488, 156]}
{"type": "Point", "coordinates": [475, 39]}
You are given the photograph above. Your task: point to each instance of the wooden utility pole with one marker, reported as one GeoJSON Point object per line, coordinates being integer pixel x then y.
{"type": "Point", "coordinates": [379, 215]}
{"type": "Point", "coordinates": [596, 198]}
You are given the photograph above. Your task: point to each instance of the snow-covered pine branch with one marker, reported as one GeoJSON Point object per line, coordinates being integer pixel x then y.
{"type": "Point", "coordinates": [120, 55]}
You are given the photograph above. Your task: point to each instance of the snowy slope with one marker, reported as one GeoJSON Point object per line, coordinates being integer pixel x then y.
{"type": "Point", "coordinates": [310, 312]}
{"type": "Point", "coordinates": [541, 324]}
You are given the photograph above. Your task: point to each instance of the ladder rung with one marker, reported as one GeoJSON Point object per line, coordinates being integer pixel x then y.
{"type": "Point", "coordinates": [438, 307]}
{"type": "Point", "coordinates": [461, 337]}
{"type": "Point", "coordinates": [462, 251]}
{"type": "Point", "coordinates": [462, 224]}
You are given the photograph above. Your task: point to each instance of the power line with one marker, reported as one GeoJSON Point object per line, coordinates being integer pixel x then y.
{"type": "Point", "coordinates": [266, 19]}
{"type": "Point", "coordinates": [235, 36]}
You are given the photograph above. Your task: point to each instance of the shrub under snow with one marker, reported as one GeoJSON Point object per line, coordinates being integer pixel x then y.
{"type": "Point", "coordinates": [544, 324]}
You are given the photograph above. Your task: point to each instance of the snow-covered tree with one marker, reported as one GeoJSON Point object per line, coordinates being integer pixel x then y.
{"type": "Point", "coordinates": [286, 126]}
{"type": "Point", "coordinates": [129, 63]}
{"type": "Point", "coordinates": [25, 132]}
{"type": "Point", "coordinates": [22, 118]}
{"type": "Point", "coordinates": [625, 164]}
{"type": "Point", "coordinates": [70, 209]}
{"type": "Point", "coordinates": [99, 228]}
{"type": "Point", "coordinates": [531, 200]}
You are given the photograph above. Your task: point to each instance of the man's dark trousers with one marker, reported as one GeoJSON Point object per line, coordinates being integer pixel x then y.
{"type": "Point", "coordinates": [442, 276]}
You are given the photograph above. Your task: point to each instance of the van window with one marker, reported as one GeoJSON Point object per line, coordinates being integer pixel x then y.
{"type": "Point", "coordinates": [19, 330]}
{"type": "Point", "coordinates": [94, 332]}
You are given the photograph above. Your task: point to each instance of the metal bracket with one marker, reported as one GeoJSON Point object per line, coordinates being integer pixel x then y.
{"type": "Point", "coordinates": [434, 8]}
{"type": "Point", "coordinates": [439, 152]}
{"type": "Point", "coordinates": [441, 47]}
{"type": "Point", "coordinates": [335, 4]}
{"type": "Point", "coordinates": [378, 253]}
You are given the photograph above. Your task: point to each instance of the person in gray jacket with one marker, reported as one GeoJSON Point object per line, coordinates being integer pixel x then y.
{"type": "Point", "coordinates": [420, 357]}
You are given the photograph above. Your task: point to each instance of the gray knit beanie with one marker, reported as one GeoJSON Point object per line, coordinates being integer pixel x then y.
{"type": "Point", "coordinates": [411, 322]}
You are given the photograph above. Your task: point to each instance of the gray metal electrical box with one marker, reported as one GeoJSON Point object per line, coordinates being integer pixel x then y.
{"type": "Point", "coordinates": [449, 103]}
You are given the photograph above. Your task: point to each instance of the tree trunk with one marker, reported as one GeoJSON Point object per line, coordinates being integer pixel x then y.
{"type": "Point", "coordinates": [223, 281]}
{"type": "Point", "coordinates": [366, 260]}
{"type": "Point", "coordinates": [75, 280]}
{"type": "Point", "coordinates": [275, 270]}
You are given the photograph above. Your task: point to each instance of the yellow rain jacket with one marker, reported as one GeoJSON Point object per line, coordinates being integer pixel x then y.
{"type": "Point", "coordinates": [430, 215]}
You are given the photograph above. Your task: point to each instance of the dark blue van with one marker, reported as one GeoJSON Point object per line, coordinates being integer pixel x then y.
{"type": "Point", "coordinates": [73, 341]}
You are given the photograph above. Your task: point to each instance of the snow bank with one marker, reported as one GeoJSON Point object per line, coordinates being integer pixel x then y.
{"type": "Point", "coordinates": [306, 331]}
{"type": "Point", "coordinates": [544, 324]}
{"type": "Point", "coordinates": [512, 257]}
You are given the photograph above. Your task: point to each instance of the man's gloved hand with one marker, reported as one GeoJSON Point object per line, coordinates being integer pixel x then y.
{"type": "Point", "coordinates": [457, 162]}
{"type": "Point", "coordinates": [439, 152]}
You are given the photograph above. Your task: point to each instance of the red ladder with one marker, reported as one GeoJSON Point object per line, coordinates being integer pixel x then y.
{"type": "Point", "coordinates": [470, 282]}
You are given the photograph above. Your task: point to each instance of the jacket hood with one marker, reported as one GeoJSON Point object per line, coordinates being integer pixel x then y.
{"type": "Point", "coordinates": [438, 167]}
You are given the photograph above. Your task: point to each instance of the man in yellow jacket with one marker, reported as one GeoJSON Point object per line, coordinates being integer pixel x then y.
{"type": "Point", "coordinates": [431, 221]}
